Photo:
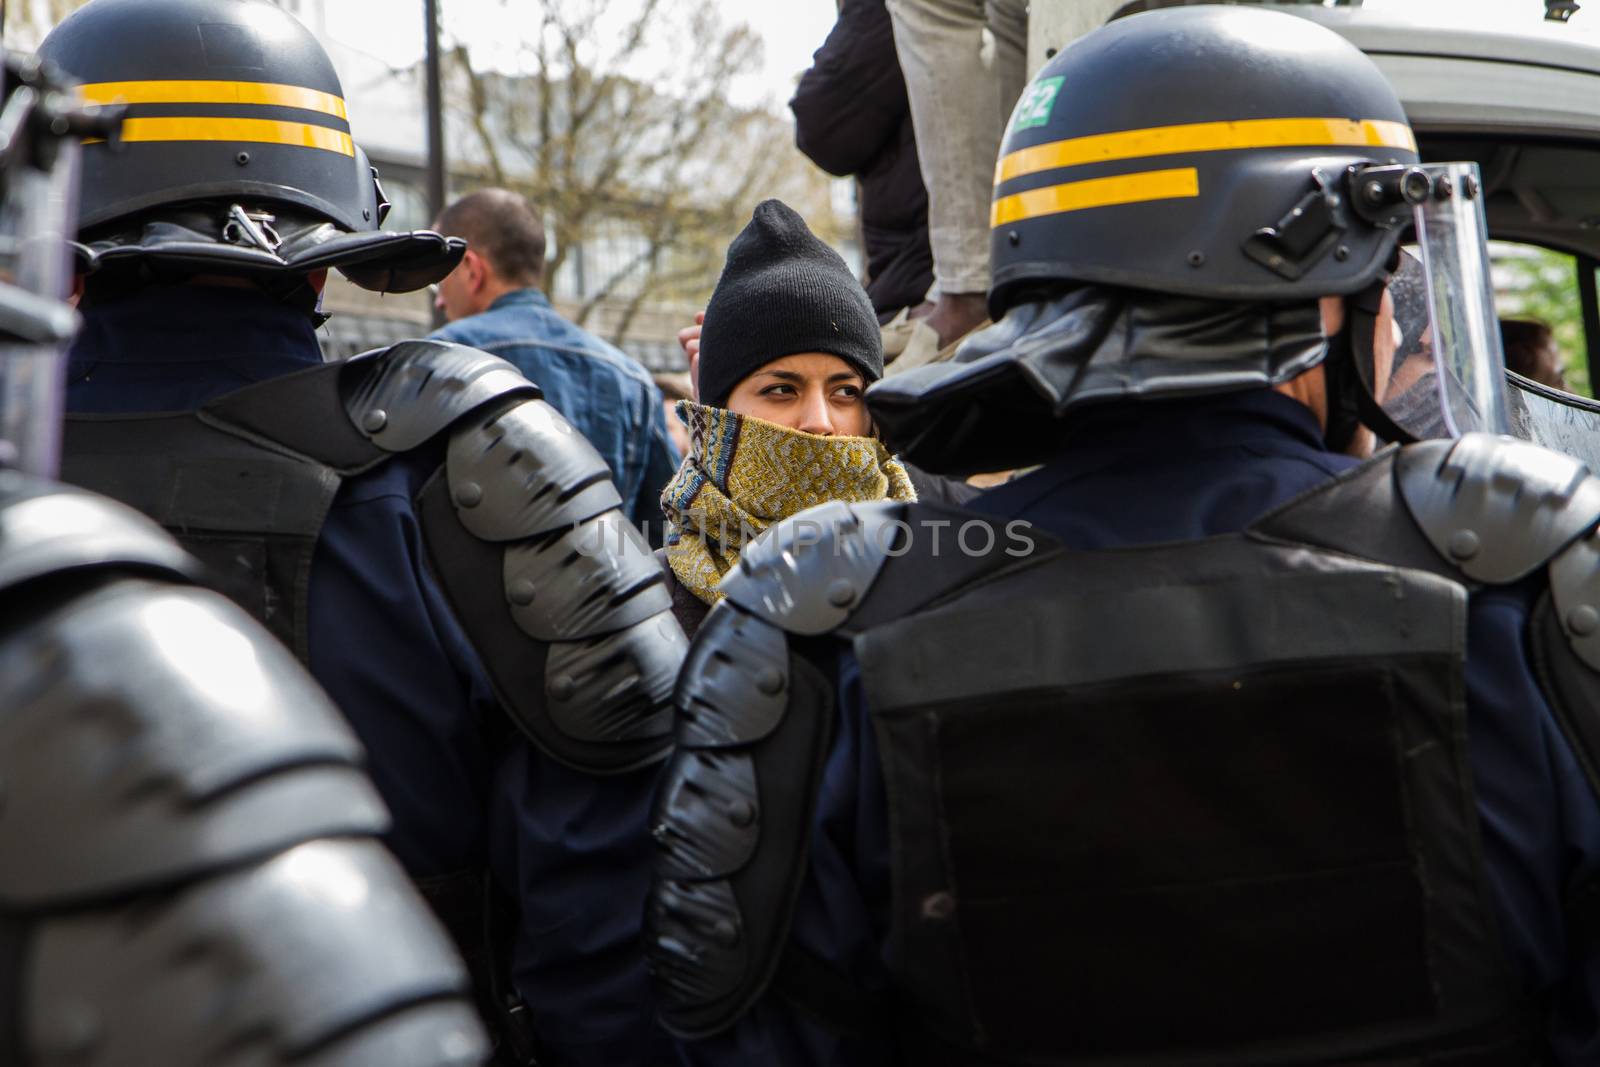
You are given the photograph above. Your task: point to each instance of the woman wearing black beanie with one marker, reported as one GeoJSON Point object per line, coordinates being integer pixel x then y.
{"type": "Point", "coordinates": [789, 345]}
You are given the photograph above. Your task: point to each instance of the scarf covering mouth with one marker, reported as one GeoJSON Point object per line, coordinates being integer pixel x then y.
{"type": "Point", "coordinates": [743, 475]}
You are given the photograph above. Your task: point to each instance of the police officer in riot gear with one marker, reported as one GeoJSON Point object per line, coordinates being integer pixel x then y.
{"type": "Point", "coordinates": [1259, 754]}
{"type": "Point", "coordinates": [427, 534]}
{"type": "Point", "coordinates": [189, 870]}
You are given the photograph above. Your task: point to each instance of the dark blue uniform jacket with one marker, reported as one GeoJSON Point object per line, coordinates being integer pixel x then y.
{"type": "Point", "coordinates": [464, 788]}
{"type": "Point", "coordinates": [1178, 471]}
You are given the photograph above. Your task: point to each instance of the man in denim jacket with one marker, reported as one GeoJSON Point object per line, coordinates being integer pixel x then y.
{"type": "Point", "coordinates": [494, 303]}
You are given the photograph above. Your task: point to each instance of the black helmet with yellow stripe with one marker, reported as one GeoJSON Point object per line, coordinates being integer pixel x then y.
{"type": "Point", "coordinates": [236, 150]}
{"type": "Point", "coordinates": [1175, 192]}
{"type": "Point", "coordinates": [1172, 151]}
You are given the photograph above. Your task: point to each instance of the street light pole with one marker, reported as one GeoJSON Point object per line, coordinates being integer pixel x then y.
{"type": "Point", "coordinates": [436, 186]}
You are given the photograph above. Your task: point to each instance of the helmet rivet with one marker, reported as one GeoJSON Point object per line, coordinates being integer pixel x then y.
{"type": "Point", "coordinates": [770, 681]}
{"type": "Point", "coordinates": [1341, 253]}
{"type": "Point", "coordinates": [1463, 544]}
{"type": "Point", "coordinates": [1583, 620]}
{"type": "Point", "coordinates": [470, 495]}
{"type": "Point", "coordinates": [1050, 53]}
{"type": "Point", "coordinates": [1014, 237]}
{"type": "Point", "coordinates": [375, 420]}
{"type": "Point", "coordinates": [243, 159]}
{"type": "Point", "coordinates": [1444, 188]}
{"type": "Point", "coordinates": [1373, 191]}
{"type": "Point", "coordinates": [1469, 186]}
{"type": "Point", "coordinates": [1197, 258]}
{"type": "Point", "coordinates": [522, 592]}
{"type": "Point", "coordinates": [366, 213]}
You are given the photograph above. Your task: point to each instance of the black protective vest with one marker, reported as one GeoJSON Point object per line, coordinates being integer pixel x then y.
{"type": "Point", "coordinates": [1193, 804]}
{"type": "Point", "coordinates": [249, 509]}
{"type": "Point", "coordinates": [1234, 822]}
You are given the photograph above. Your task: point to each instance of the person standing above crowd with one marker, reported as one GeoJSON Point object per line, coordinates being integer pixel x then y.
{"type": "Point", "coordinates": [851, 119]}
{"type": "Point", "coordinates": [965, 65]}
{"type": "Point", "coordinates": [435, 542]}
{"type": "Point", "coordinates": [1255, 753]}
{"type": "Point", "coordinates": [494, 304]}
{"type": "Point", "coordinates": [788, 347]}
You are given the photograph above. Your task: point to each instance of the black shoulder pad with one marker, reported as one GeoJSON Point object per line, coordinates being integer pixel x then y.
{"type": "Point", "coordinates": [1564, 642]}
{"type": "Point", "coordinates": [150, 731]}
{"type": "Point", "coordinates": [50, 529]}
{"type": "Point", "coordinates": [320, 953]}
{"type": "Point", "coordinates": [567, 609]}
{"type": "Point", "coordinates": [1575, 591]}
{"type": "Point", "coordinates": [525, 471]}
{"type": "Point", "coordinates": [1495, 507]}
{"type": "Point", "coordinates": [808, 573]}
{"type": "Point", "coordinates": [416, 389]}
{"type": "Point", "coordinates": [732, 819]}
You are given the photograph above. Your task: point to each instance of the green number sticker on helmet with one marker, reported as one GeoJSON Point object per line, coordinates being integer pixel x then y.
{"type": "Point", "coordinates": [1037, 103]}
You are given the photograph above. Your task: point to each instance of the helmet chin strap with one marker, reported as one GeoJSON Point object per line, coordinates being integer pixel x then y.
{"type": "Point", "coordinates": [1351, 403]}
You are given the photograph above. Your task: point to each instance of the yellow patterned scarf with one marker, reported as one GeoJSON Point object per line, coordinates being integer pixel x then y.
{"type": "Point", "coordinates": [743, 474]}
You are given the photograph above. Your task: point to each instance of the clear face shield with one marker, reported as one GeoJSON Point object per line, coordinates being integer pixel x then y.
{"type": "Point", "coordinates": [38, 170]}
{"type": "Point", "coordinates": [1435, 368]}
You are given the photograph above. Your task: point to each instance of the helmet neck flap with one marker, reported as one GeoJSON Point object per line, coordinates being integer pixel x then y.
{"type": "Point", "coordinates": [998, 404]}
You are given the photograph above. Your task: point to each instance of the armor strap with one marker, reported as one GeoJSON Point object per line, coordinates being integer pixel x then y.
{"type": "Point", "coordinates": [13, 986]}
{"type": "Point", "coordinates": [481, 921]}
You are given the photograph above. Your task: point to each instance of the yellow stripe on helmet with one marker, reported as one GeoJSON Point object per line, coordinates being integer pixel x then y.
{"type": "Point", "coordinates": [1138, 188]}
{"type": "Point", "coordinates": [258, 131]}
{"type": "Point", "coordinates": [1205, 137]}
{"type": "Point", "coordinates": [214, 92]}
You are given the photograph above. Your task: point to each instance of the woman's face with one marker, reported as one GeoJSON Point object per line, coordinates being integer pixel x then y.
{"type": "Point", "coordinates": [812, 392]}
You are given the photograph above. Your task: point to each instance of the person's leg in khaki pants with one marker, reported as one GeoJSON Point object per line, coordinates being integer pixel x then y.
{"type": "Point", "coordinates": [964, 65]}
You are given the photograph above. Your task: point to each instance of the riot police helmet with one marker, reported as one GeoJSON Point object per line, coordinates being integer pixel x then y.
{"type": "Point", "coordinates": [1174, 194]}
{"type": "Point", "coordinates": [236, 153]}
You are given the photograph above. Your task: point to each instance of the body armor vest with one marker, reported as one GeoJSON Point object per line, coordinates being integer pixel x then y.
{"type": "Point", "coordinates": [1236, 823]}
{"type": "Point", "coordinates": [1195, 804]}
{"type": "Point", "coordinates": [250, 511]}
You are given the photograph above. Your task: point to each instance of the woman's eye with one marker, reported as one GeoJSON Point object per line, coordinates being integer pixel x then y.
{"type": "Point", "coordinates": [849, 392]}
{"type": "Point", "coordinates": [778, 390]}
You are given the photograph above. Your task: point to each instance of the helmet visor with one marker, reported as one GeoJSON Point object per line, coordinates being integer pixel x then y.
{"type": "Point", "coordinates": [1438, 369]}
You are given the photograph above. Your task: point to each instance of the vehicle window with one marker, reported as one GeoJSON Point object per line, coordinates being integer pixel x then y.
{"type": "Point", "coordinates": [1540, 305]}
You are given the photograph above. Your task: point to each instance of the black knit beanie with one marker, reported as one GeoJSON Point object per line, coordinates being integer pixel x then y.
{"type": "Point", "coordinates": [783, 292]}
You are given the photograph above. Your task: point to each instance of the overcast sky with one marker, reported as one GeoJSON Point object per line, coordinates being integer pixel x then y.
{"type": "Point", "coordinates": [790, 30]}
